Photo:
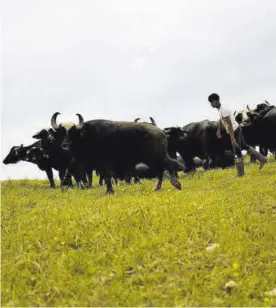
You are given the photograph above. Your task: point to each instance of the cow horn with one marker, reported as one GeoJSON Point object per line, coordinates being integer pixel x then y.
{"type": "Point", "coordinates": [54, 120]}
{"type": "Point", "coordinates": [267, 103]}
{"type": "Point", "coordinates": [81, 121]}
{"type": "Point", "coordinates": [248, 107]}
{"type": "Point", "coordinates": [152, 121]}
{"type": "Point", "coordinates": [136, 120]}
{"type": "Point", "coordinates": [235, 113]}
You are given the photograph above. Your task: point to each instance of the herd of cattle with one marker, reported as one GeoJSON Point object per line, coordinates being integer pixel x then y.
{"type": "Point", "coordinates": [126, 150]}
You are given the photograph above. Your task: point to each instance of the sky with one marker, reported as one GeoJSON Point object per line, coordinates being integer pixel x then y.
{"type": "Point", "coordinates": [125, 59]}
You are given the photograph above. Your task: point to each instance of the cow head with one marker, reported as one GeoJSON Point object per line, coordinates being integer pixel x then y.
{"type": "Point", "coordinates": [73, 132]}
{"type": "Point", "coordinates": [59, 131]}
{"type": "Point", "coordinates": [174, 136]}
{"type": "Point", "coordinates": [246, 117]}
{"type": "Point", "coordinates": [16, 154]}
{"type": "Point", "coordinates": [55, 135]}
{"type": "Point", "coordinates": [174, 132]}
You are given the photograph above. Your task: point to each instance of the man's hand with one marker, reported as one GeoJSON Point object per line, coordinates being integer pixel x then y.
{"type": "Point", "coordinates": [219, 129]}
{"type": "Point", "coordinates": [234, 142]}
{"type": "Point", "coordinates": [219, 134]}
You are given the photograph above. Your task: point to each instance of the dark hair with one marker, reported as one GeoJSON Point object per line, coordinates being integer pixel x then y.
{"type": "Point", "coordinates": [213, 97]}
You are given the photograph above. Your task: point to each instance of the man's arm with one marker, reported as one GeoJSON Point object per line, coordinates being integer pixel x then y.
{"type": "Point", "coordinates": [219, 128]}
{"type": "Point", "coordinates": [231, 130]}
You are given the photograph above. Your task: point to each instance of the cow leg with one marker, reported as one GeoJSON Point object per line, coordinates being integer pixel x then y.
{"type": "Point", "coordinates": [158, 184]}
{"type": "Point", "coordinates": [137, 180]}
{"type": "Point", "coordinates": [73, 169]}
{"type": "Point", "coordinates": [252, 159]}
{"type": "Point", "coordinates": [206, 164]}
{"type": "Point", "coordinates": [109, 188]}
{"type": "Point", "coordinates": [67, 181]}
{"type": "Point", "coordinates": [114, 179]}
{"type": "Point", "coordinates": [89, 175]}
{"type": "Point", "coordinates": [214, 160]}
{"type": "Point", "coordinates": [107, 175]}
{"type": "Point", "coordinates": [50, 176]}
{"type": "Point", "coordinates": [128, 178]}
{"type": "Point", "coordinates": [80, 172]}
{"type": "Point", "coordinates": [189, 164]}
{"type": "Point", "coordinates": [101, 179]}
{"type": "Point", "coordinates": [264, 151]}
{"type": "Point", "coordinates": [170, 165]}
{"type": "Point", "coordinates": [84, 179]}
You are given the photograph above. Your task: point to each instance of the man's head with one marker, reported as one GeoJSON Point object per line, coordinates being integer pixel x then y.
{"type": "Point", "coordinates": [214, 100]}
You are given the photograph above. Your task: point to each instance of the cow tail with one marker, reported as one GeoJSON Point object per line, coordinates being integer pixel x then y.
{"type": "Point", "coordinates": [173, 164]}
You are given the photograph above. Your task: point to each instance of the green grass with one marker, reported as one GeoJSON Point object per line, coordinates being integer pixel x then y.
{"type": "Point", "coordinates": [141, 248]}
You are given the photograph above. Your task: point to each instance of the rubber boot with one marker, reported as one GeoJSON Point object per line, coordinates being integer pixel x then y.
{"type": "Point", "coordinates": [251, 151]}
{"type": "Point", "coordinates": [240, 166]}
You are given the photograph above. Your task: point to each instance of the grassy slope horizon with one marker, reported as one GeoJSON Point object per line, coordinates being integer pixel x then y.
{"type": "Point", "coordinates": [139, 247]}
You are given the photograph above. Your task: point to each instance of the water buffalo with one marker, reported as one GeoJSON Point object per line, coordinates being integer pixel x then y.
{"type": "Point", "coordinates": [259, 127]}
{"type": "Point", "coordinates": [116, 146]}
{"type": "Point", "coordinates": [199, 139]}
{"type": "Point", "coordinates": [21, 153]}
{"type": "Point", "coordinates": [60, 158]}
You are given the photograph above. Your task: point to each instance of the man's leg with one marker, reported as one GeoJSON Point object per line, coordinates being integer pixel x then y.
{"type": "Point", "coordinates": [251, 151]}
{"type": "Point", "coordinates": [238, 153]}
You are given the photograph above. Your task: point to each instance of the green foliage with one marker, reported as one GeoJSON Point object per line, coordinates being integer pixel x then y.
{"type": "Point", "coordinates": [139, 247]}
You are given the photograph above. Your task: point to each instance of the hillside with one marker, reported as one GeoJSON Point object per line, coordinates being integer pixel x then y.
{"type": "Point", "coordinates": [141, 248]}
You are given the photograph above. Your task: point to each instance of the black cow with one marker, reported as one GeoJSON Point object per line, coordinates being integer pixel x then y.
{"type": "Point", "coordinates": [113, 146]}
{"type": "Point", "coordinates": [259, 127]}
{"type": "Point", "coordinates": [60, 158]}
{"type": "Point", "coordinates": [21, 153]}
{"type": "Point", "coordinates": [199, 139]}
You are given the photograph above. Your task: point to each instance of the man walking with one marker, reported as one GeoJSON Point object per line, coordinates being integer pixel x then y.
{"type": "Point", "coordinates": [235, 132]}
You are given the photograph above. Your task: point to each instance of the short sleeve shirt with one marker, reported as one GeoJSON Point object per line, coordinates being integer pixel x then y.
{"type": "Point", "coordinates": [225, 112]}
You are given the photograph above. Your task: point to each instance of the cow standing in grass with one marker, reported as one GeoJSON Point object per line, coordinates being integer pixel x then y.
{"type": "Point", "coordinates": [29, 154]}
{"type": "Point", "coordinates": [113, 146]}
{"type": "Point", "coordinates": [58, 157]}
{"type": "Point", "coordinates": [259, 126]}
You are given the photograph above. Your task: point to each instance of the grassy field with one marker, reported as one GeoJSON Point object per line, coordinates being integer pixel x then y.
{"type": "Point", "coordinates": [211, 244]}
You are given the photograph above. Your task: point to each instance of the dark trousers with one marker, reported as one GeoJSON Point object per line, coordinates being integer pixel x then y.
{"type": "Point", "coordinates": [242, 145]}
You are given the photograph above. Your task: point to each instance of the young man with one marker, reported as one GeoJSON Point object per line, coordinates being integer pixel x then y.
{"type": "Point", "coordinates": [227, 119]}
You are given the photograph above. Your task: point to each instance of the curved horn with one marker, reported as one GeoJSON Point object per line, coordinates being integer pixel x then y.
{"type": "Point", "coordinates": [267, 103]}
{"type": "Point", "coordinates": [248, 107]}
{"type": "Point", "coordinates": [54, 120]}
{"type": "Point", "coordinates": [81, 121]}
{"type": "Point", "coordinates": [136, 120]}
{"type": "Point", "coordinates": [152, 121]}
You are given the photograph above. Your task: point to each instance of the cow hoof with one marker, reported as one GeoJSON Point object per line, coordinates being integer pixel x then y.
{"type": "Point", "coordinates": [110, 192]}
{"type": "Point", "coordinates": [176, 184]}
{"type": "Point", "coordinates": [157, 188]}
{"type": "Point", "coordinates": [262, 162]}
